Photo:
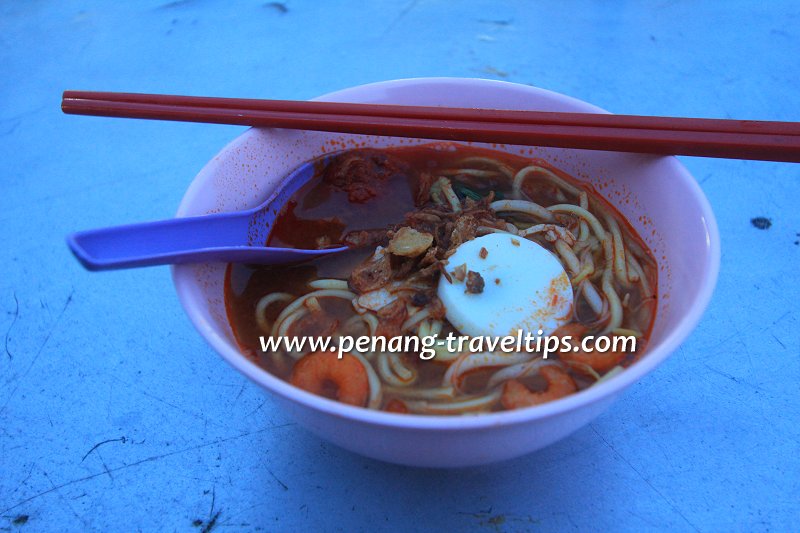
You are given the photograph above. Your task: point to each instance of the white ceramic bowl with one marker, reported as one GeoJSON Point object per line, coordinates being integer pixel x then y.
{"type": "Point", "coordinates": [657, 195]}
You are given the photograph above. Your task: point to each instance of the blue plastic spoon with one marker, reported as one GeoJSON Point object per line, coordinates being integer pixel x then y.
{"type": "Point", "coordinates": [236, 237]}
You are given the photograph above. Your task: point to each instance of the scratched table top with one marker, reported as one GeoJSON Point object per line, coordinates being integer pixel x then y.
{"type": "Point", "coordinates": [114, 413]}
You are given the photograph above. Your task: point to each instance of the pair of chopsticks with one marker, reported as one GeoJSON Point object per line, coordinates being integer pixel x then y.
{"type": "Point", "coordinates": [733, 139]}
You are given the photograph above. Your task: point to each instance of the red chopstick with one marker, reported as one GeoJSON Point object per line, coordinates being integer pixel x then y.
{"type": "Point", "coordinates": [735, 139]}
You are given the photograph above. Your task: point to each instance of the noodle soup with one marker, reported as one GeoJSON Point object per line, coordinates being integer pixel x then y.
{"type": "Point", "coordinates": [410, 215]}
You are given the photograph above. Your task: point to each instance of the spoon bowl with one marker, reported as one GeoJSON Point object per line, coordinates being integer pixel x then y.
{"type": "Point", "coordinates": [238, 236]}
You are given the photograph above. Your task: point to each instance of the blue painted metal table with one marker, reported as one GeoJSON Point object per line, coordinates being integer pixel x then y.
{"type": "Point", "coordinates": [115, 415]}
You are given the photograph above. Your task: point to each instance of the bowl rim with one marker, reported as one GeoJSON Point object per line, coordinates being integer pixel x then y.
{"type": "Point", "coordinates": [182, 276]}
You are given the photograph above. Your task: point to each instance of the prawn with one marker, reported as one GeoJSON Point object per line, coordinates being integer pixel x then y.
{"type": "Point", "coordinates": [323, 373]}
{"type": "Point", "coordinates": [574, 330]}
{"type": "Point", "coordinates": [559, 384]}
{"type": "Point", "coordinates": [396, 406]}
{"type": "Point", "coordinates": [598, 361]}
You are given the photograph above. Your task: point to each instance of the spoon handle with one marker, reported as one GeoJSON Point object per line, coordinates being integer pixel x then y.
{"type": "Point", "coordinates": [178, 240]}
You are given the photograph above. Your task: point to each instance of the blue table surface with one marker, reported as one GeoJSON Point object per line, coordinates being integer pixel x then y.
{"type": "Point", "coordinates": [115, 414]}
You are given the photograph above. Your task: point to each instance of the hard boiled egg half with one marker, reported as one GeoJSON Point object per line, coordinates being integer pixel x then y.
{"type": "Point", "coordinates": [524, 288]}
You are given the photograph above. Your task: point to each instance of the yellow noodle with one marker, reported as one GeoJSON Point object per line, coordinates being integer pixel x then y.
{"type": "Point", "coordinates": [522, 175]}
{"type": "Point", "coordinates": [470, 172]}
{"type": "Point", "coordinates": [522, 206]}
{"type": "Point", "coordinates": [520, 370]}
{"type": "Point", "coordinates": [582, 213]}
{"type": "Point", "coordinates": [615, 307]}
{"type": "Point", "coordinates": [414, 319]}
{"type": "Point", "coordinates": [620, 267]}
{"type": "Point", "coordinates": [472, 361]}
{"type": "Point", "coordinates": [332, 293]}
{"type": "Point", "coordinates": [626, 332]}
{"type": "Point", "coordinates": [435, 393]}
{"type": "Point", "coordinates": [584, 231]}
{"type": "Point", "coordinates": [466, 405]}
{"type": "Point", "coordinates": [264, 303]}
{"type": "Point", "coordinates": [375, 392]}
{"type": "Point", "coordinates": [566, 253]}
{"type": "Point", "coordinates": [634, 265]}
{"type": "Point", "coordinates": [592, 297]}
{"type": "Point", "coordinates": [387, 373]}
{"type": "Point", "coordinates": [338, 284]}
{"type": "Point", "coordinates": [406, 374]}
{"type": "Point", "coordinates": [501, 167]}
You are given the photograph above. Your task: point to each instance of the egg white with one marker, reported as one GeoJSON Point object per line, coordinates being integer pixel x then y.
{"type": "Point", "coordinates": [525, 288]}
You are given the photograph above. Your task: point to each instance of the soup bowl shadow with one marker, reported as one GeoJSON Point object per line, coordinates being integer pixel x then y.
{"type": "Point", "coordinates": [657, 195]}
